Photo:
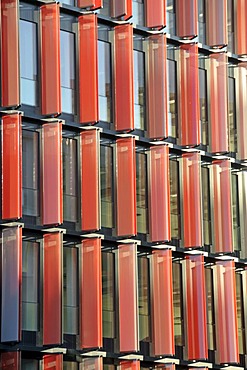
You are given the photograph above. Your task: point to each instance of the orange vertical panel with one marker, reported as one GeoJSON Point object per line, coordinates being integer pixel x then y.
{"type": "Point", "coordinates": [53, 362]}
{"type": "Point", "coordinates": [241, 110]}
{"type": "Point", "coordinates": [127, 298]}
{"type": "Point", "coordinates": [124, 90]}
{"type": "Point", "coordinates": [11, 167]}
{"type": "Point", "coordinates": [9, 53]}
{"type": "Point", "coordinates": [93, 4]}
{"type": "Point", "coordinates": [162, 303]}
{"type": "Point", "coordinates": [192, 207]}
{"type": "Point", "coordinates": [157, 87]}
{"type": "Point", "coordinates": [126, 186]}
{"type": "Point", "coordinates": [225, 312]}
{"type": "Point", "coordinates": [92, 363]}
{"type": "Point", "coordinates": [52, 189]}
{"type": "Point", "coordinates": [50, 60]}
{"type": "Point", "coordinates": [88, 68]}
{"type": "Point", "coordinates": [222, 213]}
{"type": "Point", "coordinates": [52, 289]}
{"type": "Point", "coordinates": [11, 281]}
{"type": "Point", "coordinates": [159, 194]}
{"type": "Point", "coordinates": [216, 22]}
{"type": "Point", "coordinates": [241, 27]}
{"type": "Point", "coordinates": [129, 11]}
{"type": "Point", "coordinates": [10, 360]}
{"type": "Point", "coordinates": [195, 307]}
{"type": "Point", "coordinates": [130, 365]}
{"type": "Point", "coordinates": [189, 95]}
{"type": "Point", "coordinates": [155, 13]}
{"type": "Point", "coordinates": [91, 294]}
{"type": "Point", "coordinates": [90, 180]}
{"type": "Point", "coordinates": [218, 103]}
{"type": "Point", "coordinates": [187, 18]}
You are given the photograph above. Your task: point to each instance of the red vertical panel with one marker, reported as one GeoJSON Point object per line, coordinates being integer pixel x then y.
{"type": "Point", "coordinates": [9, 53]}
{"type": "Point", "coordinates": [53, 362]}
{"type": "Point", "coordinates": [93, 4]}
{"type": "Point", "coordinates": [192, 208]}
{"type": "Point", "coordinates": [241, 27]}
{"type": "Point", "coordinates": [167, 367]}
{"type": "Point", "coordinates": [127, 298]}
{"type": "Point", "coordinates": [222, 214]}
{"type": "Point", "coordinates": [92, 363]}
{"type": "Point", "coordinates": [226, 312]}
{"type": "Point", "coordinates": [130, 365]}
{"type": "Point", "coordinates": [216, 22]}
{"type": "Point", "coordinates": [11, 167]}
{"type": "Point", "coordinates": [157, 87]}
{"type": "Point", "coordinates": [90, 180]}
{"type": "Point", "coordinates": [241, 110]}
{"type": "Point", "coordinates": [162, 303]}
{"type": "Point", "coordinates": [124, 91]}
{"type": "Point", "coordinates": [50, 60]}
{"type": "Point", "coordinates": [155, 13]}
{"type": "Point", "coordinates": [159, 182]}
{"type": "Point", "coordinates": [88, 68]}
{"type": "Point", "coordinates": [129, 11]}
{"type": "Point", "coordinates": [126, 186]}
{"type": "Point", "coordinates": [10, 360]}
{"type": "Point", "coordinates": [52, 289]}
{"type": "Point", "coordinates": [218, 103]}
{"type": "Point", "coordinates": [52, 190]}
{"type": "Point", "coordinates": [195, 307]}
{"type": "Point", "coordinates": [11, 276]}
{"type": "Point", "coordinates": [189, 95]}
{"type": "Point", "coordinates": [187, 18]}
{"type": "Point", "coordinates": [91, 303]}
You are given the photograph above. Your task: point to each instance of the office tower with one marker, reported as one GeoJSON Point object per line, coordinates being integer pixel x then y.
{"type": "Point", "coordinates": [124, 184]}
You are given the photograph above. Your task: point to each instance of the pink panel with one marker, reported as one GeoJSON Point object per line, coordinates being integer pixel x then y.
{"type": "Point", "coordinates": [226, 312]}
{"type": "Point", "coordinates": [189, 96]}
{"type": "Point", "coordinates": [241, 27]}
{"type": "Point", "coordinates": [216, 22]}
{"type": "Point", "coordinates": [53, 362]}
{"type": "Point", "coordinates": [218, 103]}
{"type": "Point", "coordinates": [192, 207]}
{"type": "Point", "coordinates": [195, 307]}
{"type": "Point", "coordinates": [155, 13]}
{"type": "Point", "coordinates": [222, 213]}
{"type": "Point", "coordinates": [127, 298]}
{"type": "Point", "coordinates": [162, 303]}
{"type": "Point", "coordinates": [130, 365]}
{"type": "Point", "coordinates": [92, 363]}
{"type": "Point", "coordinates": [187, 18]}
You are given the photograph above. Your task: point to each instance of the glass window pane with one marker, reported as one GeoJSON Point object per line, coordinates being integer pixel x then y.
{"type": "Point", "coordinates": [210, 308]}
{"type": "Point", "coordinates": [30, 171]}
{"type": "Point", "coordinates": [175, 204]}
{"type": "Point", "coordinates": [232, 113]}
{"type": "Point", "coordinates": [138, 12]}
{"type": "Point", "coordinates": [144, 298]}
{"type": "Point", "coordinates": [206, 206]}
{"type": "Point", "coordinates": [28, 62]}
{"type": "Point", "coordinates": [108, 288]}
{"type": "Point", "coordinates": [203, 104]}
{"type": "Point", "coordinates": [104, 71]}
{"type": "Point", "coordinates": [141, 195]}
{"type": "Point", "coordinates": [70, 290]}
{"type": "Point", "coordinates": [177, 304]}
{"type": "Point", "coordinates": [139, 89]}
{"type": "Point", "coordinates": [67, 53]}
{"type": "Point", "coordinates": [30, 281]}
{"type": "Point", "coordinates": [201, 21]}
{"type": "Point", "coordinates": [70, 186]}
{"type": "Point", "coordinates": [235, 214]}
{"type": "Point", "coordinates": [171, 17]}
{"type": "Point", "coordinates": [172, 98]}
{"type": "Point", "coordinates": [106, 168]}
{"type": "Point", "coordinates": [240, 315]}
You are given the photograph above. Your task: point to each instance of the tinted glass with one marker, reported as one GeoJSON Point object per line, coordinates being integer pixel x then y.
{"type": "Point", "coordinates": [138, 12]}
{"type": "Point", "coordinates": [106, 168]}
{"type": "Point", "coordinates": [177, 304]}
{"type": "Point", "coordinates": [104, 70]}
{"type": "Point", "coordinates": [139, 89]}
{"type": "Point", "coordinates": [172, 98]}
{"type": "Point", "coordinates": [141, 195]}
{"type": "Point", "coordinates": [143, 296]}
{"type": "Point", "coordinates": [108, 289]}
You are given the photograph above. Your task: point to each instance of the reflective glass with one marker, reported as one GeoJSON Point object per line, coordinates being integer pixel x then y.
{"type": "Point", "coordinates": [104, 71]}
{"type": "Point", "coordinates": [201, 21]}
{"type": "Point", "coordinates": [232, 112]}
{"type": "Point", "coordinates": [67, 53]}
{"type": "Point", "coordinates": [138, 12]}
{"type": "Point", "coordinates": [171, 17]}
{"type": "Point", "coordinates": [177, 304]}
{"type": "Point", "coordinates": [108, 289]}
{"type": "Point", "coordinates": [28, 364]}
{"type": "Point", "coordinates": [172, 98]}
{"type": "Point", "coordinates": [106, 8]}
{"type": "Point", "coordinates": [235, 213]}
{"type": "Point", "coordinates": [174, 194]}
{"type": "Point", "coordinates": [203, 105]}
{"type": "Point", "coordinates": [240, 313]}
{"type": "Point", "coordinates": [141, 195]}
{"type": "Point", "coordinates": [28, 62]}
{"type": "Point", "coordinates": [30, 282]}
{"type": "Point", "coordinates": [106, 168]}
{"type": "Point", "coordinates": [139, 89]}
{"type": "Point", "coordinates": [210, 308]}
{"type": "Point", "coordinates": [144, 298]}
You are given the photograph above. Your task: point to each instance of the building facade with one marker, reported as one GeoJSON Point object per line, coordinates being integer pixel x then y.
{"type": "Point", "coordinates": [123, 184]}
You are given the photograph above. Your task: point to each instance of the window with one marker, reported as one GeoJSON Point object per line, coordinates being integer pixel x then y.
{"type": "Point", "coordinates": [175, 203]}
{"type": "Point", "coordinates": [29, 364]}
{"type": "Point", "coordinates": [138, 12]}
{"type": "Point", "coordinates": [69, 2]}
{"type": "Point", "coordinates": [70, 365]}
{"type": "Point", "coordinates": [240, 313]}
{"type": "Point", "coordinates": [70, 290]}
{"type": "Point", "coordinates": [30, 286]}
{"type": "Point", "coordinates": [67, 53]}
{"type": "Point", "coordinates": [232, 109]}
{"type": "Point", "coordinates": [172, 92]}
{"type": "Point", "coordinates": [202, 21]}
{"type": "Point", "coordinates": [235, 213]}
{"type": "Point", "coordinates": [106, 181]}
{"type": "Point", "coordinates": [230, 25]}
{"type": "Point", "coordinates": [203, 100]}
{"type": "Point", "coordinates": [30, 173]}
{"type": "Point", "coordinates": [206, 205]}
{"type": "Point", "coordinates": [141, 192]}
{"type": "Point", "coordinates": [178, 303]}
{"type": "Point", "coordinates": [70, 179]}
{"type": "Point", "coordinates": [106, 8]}
{"type": "Point", "coordinates": [28, 57]}
{"type": "Point", "coordinates": [104, 72]}
{"type": "Point", "coordinates": [139, 89]}
{"type": "Point", "coordinates": [210, 308]}
{"type": "Point", "coordinates": [144, 298]}
{"type": "Point", "coordinates": [171, 17]}
{"type": "Point", "coordinates": [108, 296]}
